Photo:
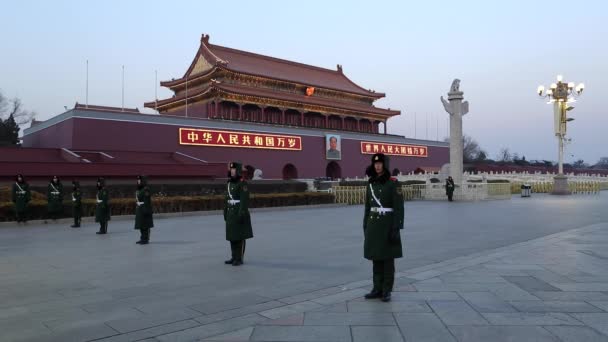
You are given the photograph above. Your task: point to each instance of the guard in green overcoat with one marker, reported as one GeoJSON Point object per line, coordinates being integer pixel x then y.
{"type": "Point", "coordinates": [449, 188]}
{"type": "Point", "coordinates": [102, 209]}
{"type": "Point", "coordinates": [236, 214]}
{"type": "Point", "coordinates": [143, 210]}
{"type": "Point", "coordinates": [76, 204]}
{"type": "Point", "coordinates": [21, 198]}
{"type": "Point", "coordinates": [382, 223]}
{"type": "Point", "coordinates": [54, 196]}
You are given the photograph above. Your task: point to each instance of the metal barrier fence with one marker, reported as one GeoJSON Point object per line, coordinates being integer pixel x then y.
{"type": "Point", "coordinates": [469, 192]}
{"type": "Point", "coordinates": [349, 194]}
{"type": "Point", "coordinates": [576, 187]}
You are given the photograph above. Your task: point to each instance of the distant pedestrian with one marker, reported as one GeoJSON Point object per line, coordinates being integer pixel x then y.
{"type": "Point", "coordinates": [449, 188]}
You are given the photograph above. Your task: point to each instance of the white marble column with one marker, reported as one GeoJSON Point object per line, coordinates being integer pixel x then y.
{"type": "Point", "coordinates": [457, 109]}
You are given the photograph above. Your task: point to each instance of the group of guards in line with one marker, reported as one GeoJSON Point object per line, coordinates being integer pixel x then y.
{"type": "Point", "coordinates": [55, 194]}
{"type": "Point", "coordinates": [382, 221]}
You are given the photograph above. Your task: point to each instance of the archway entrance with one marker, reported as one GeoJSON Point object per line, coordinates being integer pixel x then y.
{"type": "Point", "coordinates": [248, 174]}
{"type": "Point", "coordinates": [290, 172]}
{"type": "Point", "coordinates": [333, 170]}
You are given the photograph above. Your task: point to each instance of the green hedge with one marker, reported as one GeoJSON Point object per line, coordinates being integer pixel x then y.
{"type": "Point", "coordinates": [217, 187]}
{"type": "Point", "coordinates": [126, 206]}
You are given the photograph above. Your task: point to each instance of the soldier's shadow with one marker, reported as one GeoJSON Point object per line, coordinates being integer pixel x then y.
{"type": "Point", "coordinates": [292, 266]}
{"type": "Point", "coordinates": [172, 242]}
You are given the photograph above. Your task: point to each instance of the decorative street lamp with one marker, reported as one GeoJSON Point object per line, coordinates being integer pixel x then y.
{"type": "Point", "coordinates": [561, 95]}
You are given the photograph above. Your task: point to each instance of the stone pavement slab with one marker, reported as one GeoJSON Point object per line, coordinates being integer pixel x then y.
{"type": "Point", "coordinates": [301, 333]}
{"type": "Point", "coordinates": [423, 327]}
{"type": "Point", "coordinates": [538, 280]}
{"type": "Point", "coordinates": [576, 334]}
{"type": "Point", "coordinates": [498, 333]}
{"type": "Point", "coordinates": [376, 333]}
{"type": "Point", "coordinates": [553, 306]}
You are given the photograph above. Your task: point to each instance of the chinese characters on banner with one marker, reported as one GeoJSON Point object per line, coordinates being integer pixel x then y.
{"type": "Point", "coordinates": [206, 137]}
{"type": "Point", "coordinates": [394, 149]}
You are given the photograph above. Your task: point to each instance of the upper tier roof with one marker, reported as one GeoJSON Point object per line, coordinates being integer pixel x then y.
{"type": "Point", "coordinates": [259, 65]}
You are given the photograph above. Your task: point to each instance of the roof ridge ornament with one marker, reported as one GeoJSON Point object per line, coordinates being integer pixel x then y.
{"type": "Point", "coordinates": [339, 66]}
{"type": "Point", "coordinates": [205, 38]}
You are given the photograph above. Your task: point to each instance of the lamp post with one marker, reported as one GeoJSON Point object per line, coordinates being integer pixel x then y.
{"type": "Point", "coordinates": [561, 95]}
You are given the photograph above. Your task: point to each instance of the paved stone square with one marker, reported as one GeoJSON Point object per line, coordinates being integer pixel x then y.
{"type": "Point", "coordinates": [522, 270]}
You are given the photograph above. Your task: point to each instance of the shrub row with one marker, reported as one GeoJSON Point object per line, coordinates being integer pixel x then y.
{"type": "Point", "coordinates": [169, 190]}
{"type": "Point", "coordinates": [126, 206]}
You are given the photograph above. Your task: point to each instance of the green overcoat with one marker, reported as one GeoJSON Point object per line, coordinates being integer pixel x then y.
{"type": "Point", "coordinates": [377, 226]}
{"type": "Point", "coordinates": [102, 210]}
{"type": "Point", "coordinates": [143, 209]}
{"type": "Point", "coordinates": [54, 195]}
{"type": "Point", "coordinates": [21, 196]}
{"type": "Point", "coordinates": [236, 215]}
{"type": "Point", "coordinates": [76, 202]}
{"type": "Point", "coordinates": [449, 187]}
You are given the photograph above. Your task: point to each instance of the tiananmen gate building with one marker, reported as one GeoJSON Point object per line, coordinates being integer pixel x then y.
{"type": "Point", "coordinates": [288, 119]}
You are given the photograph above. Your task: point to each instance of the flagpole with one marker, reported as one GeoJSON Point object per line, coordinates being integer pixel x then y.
{"type": "Point", "coordinates": [437, 128]}
{"type": "Point", "coordinates": [123, 89]}
{"type": "Point", "coordinates": [427, 126]}
{"type": "Point", "coordinates": [155, 90]}
{"type": "Point", "coordinates": [87, 87]}
{"type": "Point", "coordinates": [186, 96]}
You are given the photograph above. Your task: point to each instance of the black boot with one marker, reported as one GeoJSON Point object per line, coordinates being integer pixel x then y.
{"type": "Point", "coordinates": [373, 294]}
{"type": "Point", "coordinates": [237, 263]}
{"type": "Point", "coordinates": [229, 261]}
{"type": "Point", "coordinates": [101, 229]}
{"type": "Point", "coordinates": [144, 237]}
{"type": "Point", "coordinates": [386, 296]}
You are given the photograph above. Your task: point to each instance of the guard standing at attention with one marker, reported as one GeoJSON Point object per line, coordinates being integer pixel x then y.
{"type": "Point", "coordinates": [236, 214]}
{"type": "Point", "coordinates": [382, 223]}
{"type": "Point", "coordinates": [102, 210]}
{"type": "Point", "coordinates": [143, 210]}
{"type": "Point", "coordinates": [21, 198]}
{"type": "Point", "coordinates": [76, 204]}
{"type": "Point", "coordinates": [54, 195]}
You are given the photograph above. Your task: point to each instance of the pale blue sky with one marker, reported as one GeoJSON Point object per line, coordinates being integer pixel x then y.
{"type": "Point", "coordinates": [411, 50]}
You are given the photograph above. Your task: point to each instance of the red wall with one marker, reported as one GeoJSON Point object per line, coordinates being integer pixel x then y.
{"type": "Point", "coordinates": [56, 136]}
{"type": "Point", "coordinates": [108, 135]}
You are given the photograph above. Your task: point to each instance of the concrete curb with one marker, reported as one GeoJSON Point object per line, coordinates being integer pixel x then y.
{"type": "Point", "coordinates": [90, 219]}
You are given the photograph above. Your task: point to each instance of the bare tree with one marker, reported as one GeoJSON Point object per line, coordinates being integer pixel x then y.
{"type": "Point", "coordinates": [504, 155]}
{"type": "Point", "coordinates": [580, 164]}
{"type": "Point", "coordinates": [14, 107]}
{"type": "Point", "coordinates": [471, 151]}
{"type": "Point", "coordinates": [602, 163]}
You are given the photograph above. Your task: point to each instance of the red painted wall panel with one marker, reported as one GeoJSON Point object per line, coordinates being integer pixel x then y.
{"type": "Point", "coordinates": [106, 135]}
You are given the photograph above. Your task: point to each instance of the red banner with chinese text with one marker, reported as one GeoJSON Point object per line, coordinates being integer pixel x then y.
{"type": "Point", "coordinates": [394, 149]}
{"type": "Point", "coordinates": [207, 137]}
